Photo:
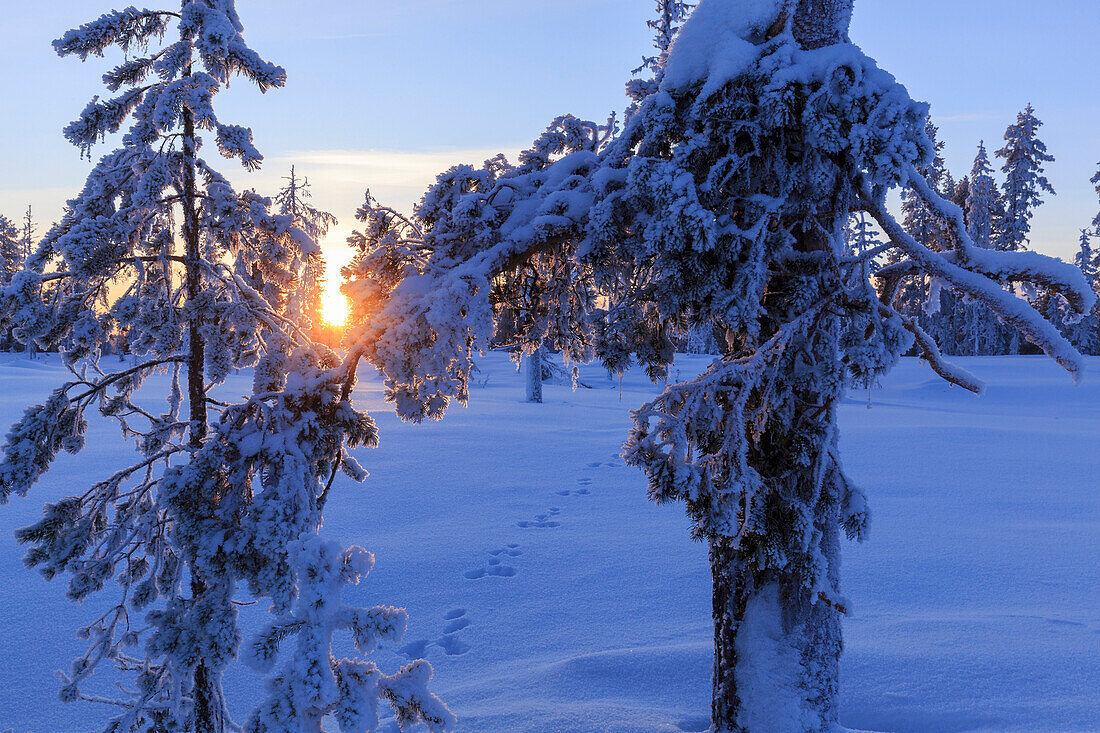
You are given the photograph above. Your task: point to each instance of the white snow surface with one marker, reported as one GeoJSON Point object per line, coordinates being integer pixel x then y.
{"type": "Point", "coordinates": [768, 670]}
{"type": "Point", "coordinates": [552, 597]}
{"type": "Point", "coordinates": [713, 45]}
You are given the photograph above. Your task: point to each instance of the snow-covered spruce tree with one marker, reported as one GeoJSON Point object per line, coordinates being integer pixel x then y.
{"type": "Point", "coordinates": [1024, 155]}
{"type": "Point", "coordinates": [11, 262]}
{"type": "Point", "coordinates": [981, 332]}
{"type": "Point", "coordinates": [723, 201]}
{"type": "Point", "coordinates": [26, 234]}
{"type": "Point", "coordinates": [11, 250]}
{"type": "Point", "coordinates": [220, 494]}
{"type": "Point", "coordinates": [27, 243]}
{"type": "Point", "coordinates": [863, 245]}
{"type": "Point", "coordinates": [920, 220]}
{"type": "Point", "coordinates": [669, 16]}
{"type": "Point", "coordinates": [1085, 333]}
{"type": "Point", "coordinates": [981, 200]}
{"type": "Point", "coordinates": [914, 293]}
{"type": "Point", "coordinates": [1095, 180]}
{"type": "Point", "coordinates": [294, 200]}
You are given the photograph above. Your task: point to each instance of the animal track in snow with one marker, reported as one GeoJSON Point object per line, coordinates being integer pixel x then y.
{"type": "Point", "coordinates": [415, 649]}
{"type": "Point", "coordinates": [538, 523]}
{"type": "Point", "coordinates": [448, 642]}
{"type": "Point", "coordinates": [542, 521]}
{"type": "Point", "coordinates": [495, 567]}
{"type": "Point", "coordinates": [457, 624]}
{"type": "Point", "coordinates": [613, 463]}
{"type": "Point", "coordinates": [503, 571]}
{"type": "Point", "coordinates": [456, 621]}
{"type": "Point", "coordinates": [584, 483]}
{"type": "Point", "coordinates": [452, 645]}
{"type": "Point", "coordinates": [511, 550]}
{"type": "Point", "coordinates": [578, 492]}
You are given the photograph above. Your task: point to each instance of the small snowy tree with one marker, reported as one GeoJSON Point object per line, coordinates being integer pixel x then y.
{"type": "Point", "coordinates": [294, 200]}
{"type": "Point", "coordinates": [920, 219]}
{"type": "Point", "coordinates": [11, 250]}
{"type": "Point", "coordinates": [11, 261]}
{"type": "Point", "coordinates": [220, 494]}
{"type": "Point", "coordinates": [670, 15]}
{"type": "Point", "coordinates": [26, 234]}
{"type": "Point", "coordinates": [1024, 155]}
{"type": "Point", "coordinates": [27, 244]}
{"type": "Point", "coordinates": [1096, 220]}
{"type": "Point", "coordinates": [981, 200]}
{"type": "Point", "coordinates": [723, 201]}
{"type": "Point", "coordinates": [1085, 332]}
{"type": "Point", "coordinates": [312, 683]}
{"type": "Point", "coordinates": [917, 297]}
{"type": "Point", "coordinates": [981, 333]}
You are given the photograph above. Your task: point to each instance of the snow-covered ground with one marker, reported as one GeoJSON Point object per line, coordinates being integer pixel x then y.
{"type": "Point", "coordinates": [551, 596]}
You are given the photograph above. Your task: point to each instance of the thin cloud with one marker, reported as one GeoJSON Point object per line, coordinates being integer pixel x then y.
{"type": "Point", "coordinates": [386, 168]}
{"type": "Point", "coordinates": [969, 117]}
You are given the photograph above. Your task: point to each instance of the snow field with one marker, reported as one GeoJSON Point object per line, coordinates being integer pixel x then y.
{"type": "Point", "coordinates": [552, 597]}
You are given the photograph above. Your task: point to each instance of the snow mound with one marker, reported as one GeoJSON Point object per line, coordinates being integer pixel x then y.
{"type": "Point", "coordinates": [716, 45]}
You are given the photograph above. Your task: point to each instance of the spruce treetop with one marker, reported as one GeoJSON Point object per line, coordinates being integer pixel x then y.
{"type": "Point", "coordinates": [1024, 155]}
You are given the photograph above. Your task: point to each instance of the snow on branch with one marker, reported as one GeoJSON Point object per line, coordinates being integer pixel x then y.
{"type": "Point", "coordinates": [1047, 272]}
{"type": "Point", "coordinates": [127, 29]}
{"type": "Point", "coordinates": [978, 285]}
{"type": "Point", "coordinates": [931, 353]}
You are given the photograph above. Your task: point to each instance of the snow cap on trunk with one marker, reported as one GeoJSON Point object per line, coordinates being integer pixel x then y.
{"type": "Point", "coordinates": [716, 44]}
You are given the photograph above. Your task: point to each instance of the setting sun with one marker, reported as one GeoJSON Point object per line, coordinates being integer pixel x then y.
{"type": "Point", "coordinates": [334, 306]}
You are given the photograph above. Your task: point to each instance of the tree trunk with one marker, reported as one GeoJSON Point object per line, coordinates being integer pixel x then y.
{"type": "Point", "coordinates": [206, 694]}
{"type": "Point", "coordinates": [820, 23]}
{"type": "Point", "coordinates": [533, 364]}
{"type": "Point", "coordinates": [196, 392]}
{"type": "Point", "coordinates": [777, 643]}
{"type": "Point", "coordinates": [776, 648]}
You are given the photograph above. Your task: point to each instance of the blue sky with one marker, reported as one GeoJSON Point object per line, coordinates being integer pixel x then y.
{"type": "Point", "coordinates": [387, 94]}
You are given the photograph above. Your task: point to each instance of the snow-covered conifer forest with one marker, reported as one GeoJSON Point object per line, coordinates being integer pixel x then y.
{"type": "Point", "coordinates": [733, 409]}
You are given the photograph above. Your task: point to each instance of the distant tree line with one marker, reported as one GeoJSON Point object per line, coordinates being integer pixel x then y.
{"type": "Point", "coordinates": [997, 216]}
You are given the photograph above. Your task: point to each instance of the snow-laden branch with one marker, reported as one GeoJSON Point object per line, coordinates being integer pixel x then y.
{"type": "Point", "coordinates": [1047, 272]}
{"type": "Point", "coordinates": [931, 353]}
{"type": "Point", "coordinates": [978, 285]}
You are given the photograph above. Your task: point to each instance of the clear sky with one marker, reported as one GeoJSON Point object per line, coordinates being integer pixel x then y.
{"type": "Point", "coordinates": [387, 94]}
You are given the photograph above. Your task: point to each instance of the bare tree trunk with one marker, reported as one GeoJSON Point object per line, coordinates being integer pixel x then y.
{"type": "Point", "coordinates": [820, 23]}
{"type": "Point", "coordinates": [196, 392]}
{"type": "Point", "coordinates": [533, 364]}
{"type": "Point", "coordinates": [727, 577]}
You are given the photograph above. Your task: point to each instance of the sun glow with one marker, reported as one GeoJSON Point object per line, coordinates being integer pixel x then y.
{"type": "Point", "coordinates": [334, 306]}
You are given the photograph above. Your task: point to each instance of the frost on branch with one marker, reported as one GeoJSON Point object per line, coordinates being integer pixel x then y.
{"type": "Point", "coordinates": [158, 251]}
{"type": "Point", "coordinates": [313, 683]}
